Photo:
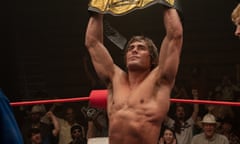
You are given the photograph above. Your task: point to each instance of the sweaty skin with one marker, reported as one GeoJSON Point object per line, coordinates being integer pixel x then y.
{"type": "Point", "coordinates": [138, 99]}
{"type": "Point", "coordinates": [135, 114]}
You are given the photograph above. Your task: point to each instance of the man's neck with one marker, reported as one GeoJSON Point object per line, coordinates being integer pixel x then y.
{"type": "Point", "coordinates": [36, 124]}
{"type": "Point", "coordinates": [210, 137]}
{"type": "Point", "coordinates": [136, 77]}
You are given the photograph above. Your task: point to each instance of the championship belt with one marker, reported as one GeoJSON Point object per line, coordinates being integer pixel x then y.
{"type": "Point", "coordinates": [122, 7]}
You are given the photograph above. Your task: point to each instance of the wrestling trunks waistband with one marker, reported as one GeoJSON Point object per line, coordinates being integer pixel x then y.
{"type": "Point", "coordinates": [98, 140]}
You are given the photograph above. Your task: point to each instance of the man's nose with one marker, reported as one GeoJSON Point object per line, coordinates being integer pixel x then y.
{"type": "Point", "coordinates": [237, 32]}
{"type": "Point", "coordinates": [134, 50]}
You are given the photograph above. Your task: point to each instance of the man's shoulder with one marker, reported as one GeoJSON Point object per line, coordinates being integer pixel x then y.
{"type": "Point", "coordinates": [222, 137]}
{"type": "Point", "coordinates": [197, 139]}
{"type": "Point", "coordinates": [190, 120]}
{"type": "Point", "coordinates": [198, 136]}
{"type": "Point", "coordinates": [170, 122]}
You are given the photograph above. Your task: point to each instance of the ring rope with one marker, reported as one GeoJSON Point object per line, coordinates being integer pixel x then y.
{"type": "Point", "coordinates": [23, 103]}
{"type": "Point", "coordinates": [227, 103]}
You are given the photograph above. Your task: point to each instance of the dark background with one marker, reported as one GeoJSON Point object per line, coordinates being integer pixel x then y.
{"type": "Point", "coordinates": [43, 48]}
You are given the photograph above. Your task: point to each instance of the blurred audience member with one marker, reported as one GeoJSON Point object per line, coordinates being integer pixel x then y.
{"type": "Point", "coordinates": [97, 122]}
{"type": "Point", "coordinates": [197, 126]}
{"type": "Point", "coordinates": [167, 136]}
{"type": "Point", "coordinates": [49, 132]}
{"type": "Point", "coordinates": [227, 130]}
{"type": "Point", "coordinates": [77, 135]}
{"type": "Point", "coordinates": [179, 91]}
{"type": "Point", "coordinates": [209, 135]}
{"type": "Point", "coordinates": [227, 89]}
{"type": "Point", "coordinates": [220, 111]}
{"type": "Point", "coordinates": [35, 136]}
{"type": "Point", "coordinates": [65, 125]}
{"type": "Point", "coordinates": [181, 124]}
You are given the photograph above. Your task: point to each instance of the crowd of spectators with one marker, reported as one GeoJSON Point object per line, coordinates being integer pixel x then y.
{"type": "Point", "coordinates": [62, 124]}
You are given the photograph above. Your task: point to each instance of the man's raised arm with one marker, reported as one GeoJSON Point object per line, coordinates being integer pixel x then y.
{"type": "Point", "coordinates": [170, 51]}
{"type": "Point", "coordinates": [101, 58]}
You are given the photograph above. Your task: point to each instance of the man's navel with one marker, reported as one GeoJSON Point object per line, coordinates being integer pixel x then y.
{"type": "Point", "coordinates": [142, 101]}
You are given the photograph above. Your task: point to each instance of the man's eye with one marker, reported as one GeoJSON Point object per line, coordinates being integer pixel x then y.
{"type": "Point", "coordinates": [237, 22]}
{"type": "Point", "coordinates": [142, 48]}
{"type": "Point", "coordinates": [130, 48]}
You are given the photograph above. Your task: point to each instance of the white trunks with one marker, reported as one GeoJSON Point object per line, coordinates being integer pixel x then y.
{"type": "Point", "coordinates": [98, 140]}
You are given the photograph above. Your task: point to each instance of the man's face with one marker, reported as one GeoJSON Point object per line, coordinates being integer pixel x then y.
{"type": "Point", "coordinates": [36, 117]}
{"type": "Point", "coordinates": [237, 23]}
{"type": "Point", "coordinates": [138, 55]}
{"type": "Point", "coordinates": [209, 129]}
{"type": "Point", "coordinates": [168, 136]}
{"type": "Point", "coordinates": [76, 133]}
{"type": "Point", "coordinates": [226, 127]}
{"type": "Point", "coordinates": [70, 115]}
{"type": "Point", "coordinates": [36, 138]}
{"type": "Point", "coordinates": [180, 113]}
